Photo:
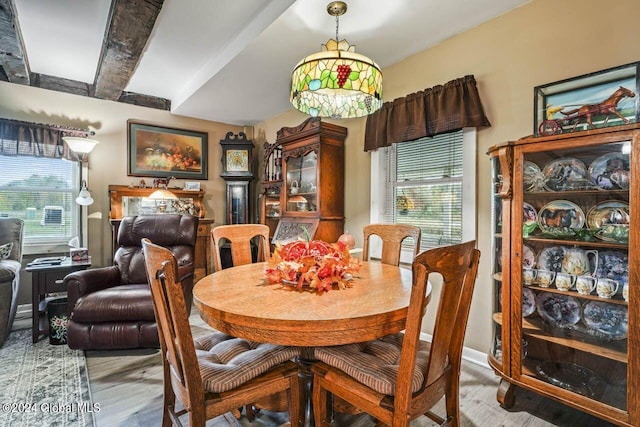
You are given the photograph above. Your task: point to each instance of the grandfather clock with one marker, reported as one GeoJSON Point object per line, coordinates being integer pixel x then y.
{"type": "Point", "coordinates": [237, 171]}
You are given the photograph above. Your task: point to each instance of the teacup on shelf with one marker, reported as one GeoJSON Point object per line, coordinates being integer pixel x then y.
{"type": "Point", "coordinates": [545, 278]}
{"type": "Point", "coordinates": [529, 276]}
{"type": "Point", "coordinates": [625, 292]}
{"type": "Point", "coordinates": [607, 288]}
{"type": "Point", "coordinates": [585, 284]}
{"type": "Point", "coordinates": [565, 281]}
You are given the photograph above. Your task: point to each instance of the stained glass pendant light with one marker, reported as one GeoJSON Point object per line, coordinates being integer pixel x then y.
{"type": "Point", "coordinates": [336, 82]}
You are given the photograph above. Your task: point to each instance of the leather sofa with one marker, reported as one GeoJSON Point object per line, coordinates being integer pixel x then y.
{"type": "Point", "coordinates": [11, 231]}
{"type": "Point", "coordinates": [111, 307]}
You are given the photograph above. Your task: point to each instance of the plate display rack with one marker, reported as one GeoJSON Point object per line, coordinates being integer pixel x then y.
{"type": "Point", "coordinates": [566, 272]}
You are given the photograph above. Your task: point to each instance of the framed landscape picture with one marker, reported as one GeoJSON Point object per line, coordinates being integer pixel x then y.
{"type": "Point", "coordinates": [601, 99]}
{"type": "Point", "coordinates": [157, 151]}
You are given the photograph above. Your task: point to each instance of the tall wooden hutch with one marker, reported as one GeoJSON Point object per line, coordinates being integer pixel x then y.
{"type": "Point", "coordinates": [566, 209]}
{"type": "Point", "coordinates": [310, 192]}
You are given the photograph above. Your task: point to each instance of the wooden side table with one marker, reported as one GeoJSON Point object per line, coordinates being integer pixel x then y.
{"type": "Point", "coordinates": [46, 279]}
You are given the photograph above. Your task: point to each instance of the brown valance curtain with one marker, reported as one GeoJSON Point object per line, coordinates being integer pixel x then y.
{"type": "Point", "coordinates": [36, 139]}
{"type": "Point", "coordinates": [440, 109]}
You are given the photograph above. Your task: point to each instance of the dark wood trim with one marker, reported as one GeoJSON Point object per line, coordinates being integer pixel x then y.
{"type": "Point", "coordinates": [13, 58]}
{"type": "Point", "coordinates": [60, 84]}
{"type": "Point", "coordinates": [129, 28]}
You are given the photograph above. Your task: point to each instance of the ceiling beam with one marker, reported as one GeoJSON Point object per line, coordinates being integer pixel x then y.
{"type": "Point", "coordinates": [12, 53]}
{"type": "Point", "coordinates": [129, 28]}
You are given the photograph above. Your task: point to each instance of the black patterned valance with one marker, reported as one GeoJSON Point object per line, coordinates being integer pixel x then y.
{"type": "Point", "coordinates": [36, 139]}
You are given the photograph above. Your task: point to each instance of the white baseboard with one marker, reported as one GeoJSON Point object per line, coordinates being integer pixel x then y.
{"type": "Point", "coordinates": [468, 354]}
{"type": "Point", "coordinates": [24, 309]}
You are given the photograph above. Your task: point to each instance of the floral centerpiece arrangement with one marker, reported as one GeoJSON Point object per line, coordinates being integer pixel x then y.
{"type": "Point", "coordinates": [312, 263]}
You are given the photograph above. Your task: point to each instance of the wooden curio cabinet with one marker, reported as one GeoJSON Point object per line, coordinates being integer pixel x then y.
{"type": "Point", "coordinates": [566, 270]}
{"type": "Point", "coordinates": [311, 194]}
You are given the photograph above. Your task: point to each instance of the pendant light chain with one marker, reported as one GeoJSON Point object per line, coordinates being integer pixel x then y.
{"type": "Point", "coordinates": [337, 25]}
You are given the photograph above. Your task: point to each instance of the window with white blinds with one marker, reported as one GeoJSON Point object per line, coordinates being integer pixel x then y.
{"type": "Point", "coordinates": [42, 192]}
{"type": "Point", "coordinates": [429, 182]}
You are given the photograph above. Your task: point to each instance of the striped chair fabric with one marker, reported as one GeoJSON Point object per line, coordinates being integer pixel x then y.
{"type": "Point", "coordinates": [227, 362]}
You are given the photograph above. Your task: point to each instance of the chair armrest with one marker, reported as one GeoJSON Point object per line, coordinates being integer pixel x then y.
{"type": "Point", "coordinates": [84, 282]}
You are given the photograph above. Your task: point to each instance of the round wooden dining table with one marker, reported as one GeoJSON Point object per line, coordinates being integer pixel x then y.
{"type": "Point", "coordinates": [241, 302]}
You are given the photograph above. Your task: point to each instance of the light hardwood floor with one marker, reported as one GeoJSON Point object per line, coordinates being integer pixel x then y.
{"type": "Point", "coordinates": [128, 386]}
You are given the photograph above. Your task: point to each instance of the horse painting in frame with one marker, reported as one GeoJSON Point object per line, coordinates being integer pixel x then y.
{"type": "Point", "coordinates": [600, 99]}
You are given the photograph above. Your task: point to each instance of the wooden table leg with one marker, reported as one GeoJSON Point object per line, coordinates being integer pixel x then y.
{"type": "Point", "coordinates": [305, 361]}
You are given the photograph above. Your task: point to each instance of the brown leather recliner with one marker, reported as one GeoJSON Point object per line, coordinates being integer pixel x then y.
{"type": "Point", "coordinates": [111, 307]}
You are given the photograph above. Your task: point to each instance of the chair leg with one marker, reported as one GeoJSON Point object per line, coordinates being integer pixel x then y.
{"type": "Point", "coordinates": [319, 403]}
{"type": "Point", "coordinates": [169, 399]}
{"type": "Point", "coordinates": [452, 402]}
{"type": "Point", "coordinates": [294, 400]}
{"type": "Point", "coordinates": [250, 411]}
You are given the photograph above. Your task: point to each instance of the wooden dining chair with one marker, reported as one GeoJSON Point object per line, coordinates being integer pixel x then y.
{"type": "Point", "coordinates": [217, 373]}
{"type": "Point", "coordinates": [239, 237]}
{"type": "Point", "coordinates": [392, 236]}
{"type": "Point", "coordinates": [398, 378]}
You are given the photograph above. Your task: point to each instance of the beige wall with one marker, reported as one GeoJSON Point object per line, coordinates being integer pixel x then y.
{"type": "Point", "coordinates": [108, 160]}
{"type": "Point", "coordinates": [541, 42]}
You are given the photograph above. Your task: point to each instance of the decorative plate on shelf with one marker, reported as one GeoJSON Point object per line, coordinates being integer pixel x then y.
{"type": "Point", "coordinates": [561, 311]}
{"type": "Point", "coordinates": [610, 171]}
{"type": "Point", "coordinates": [551, 258]}
{"type": "Point", "coordinates": [559, 218]}
{"type": "Point", "coordinates": [566, 174]}
{"type": "Point", "coordinates": [572, 377]}
{"type": "Point", "coordinates": [528, 302]}
{"type": "Point", "coordinates": [611, 320]}
{"type": "Point", "coordinates": [532, 177]}
{"type": "Point", "coordinates": [611, 217]}
{"type": "Point", "coordinates": [530, 215]}
{"type": "Point", "coordinates": [528, 257]}
{"type": "Point", "coordinates": [613, 265]}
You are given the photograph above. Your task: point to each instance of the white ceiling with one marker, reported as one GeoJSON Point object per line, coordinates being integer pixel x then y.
{"type": "Point", "coordinates": [230, 60]}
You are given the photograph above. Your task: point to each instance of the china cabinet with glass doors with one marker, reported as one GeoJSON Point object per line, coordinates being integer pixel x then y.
{"type": "Point", "coordinates": [312, 191]}
{"type": "Point", "coordinates": [565, 210]}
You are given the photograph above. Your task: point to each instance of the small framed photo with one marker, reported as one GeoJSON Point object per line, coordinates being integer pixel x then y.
{"type": "Point", "coordinates": [192, 186]}
{"type": "Point", "coordinates": [600, 99]}
{"type": "Point", "coordinates": [158, 151]}
{"type": "Point", "coordinates": [290, 229]}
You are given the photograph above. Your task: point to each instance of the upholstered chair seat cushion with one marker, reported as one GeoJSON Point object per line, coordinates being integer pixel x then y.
{"type": "Point", "coordinates": [227, 362]}
{"type": "Point", "coordinates": [115, 304]}
{"type": "Point", "coordinates": [375, 363]}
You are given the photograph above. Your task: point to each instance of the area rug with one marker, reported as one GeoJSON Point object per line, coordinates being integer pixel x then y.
{"type": "Point", "coordinates": [43, 385]}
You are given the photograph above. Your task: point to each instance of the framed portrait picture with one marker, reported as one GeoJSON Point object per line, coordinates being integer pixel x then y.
{"type": "Point", "coordinates": [158, 151]}
{"type": "Point", "coordinates": [601, 99]}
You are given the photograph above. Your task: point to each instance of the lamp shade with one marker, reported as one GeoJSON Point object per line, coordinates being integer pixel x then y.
{"type": "Point", "coordinates": [336, 82]}
{"type": "Point", "coordinates": [80, 145]}
{"type": "Point", "coordinates": [162, 194]}
{"type": "Point", "coordinates": [84, 197]}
